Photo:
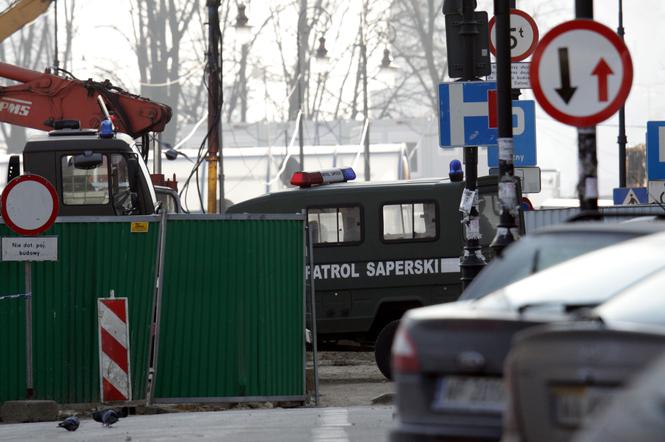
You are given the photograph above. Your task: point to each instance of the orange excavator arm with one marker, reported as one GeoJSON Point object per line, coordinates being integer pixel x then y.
{"type": "Point", "coordinates": [39, 99]}
{"type": "Point", "coordinates": [19, 14]}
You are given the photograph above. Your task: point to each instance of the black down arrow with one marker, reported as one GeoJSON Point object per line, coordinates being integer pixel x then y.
{"type": "Point", "coordinates": [566, 91]}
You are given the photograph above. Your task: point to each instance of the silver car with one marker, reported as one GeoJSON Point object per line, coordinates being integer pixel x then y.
{"type": "Point", "coordinates": [448, 359]}
{"type": "Point", "coordinates": [560, 376]}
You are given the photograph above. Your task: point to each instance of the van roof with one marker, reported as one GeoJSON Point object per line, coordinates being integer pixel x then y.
{"type": "Point", "coordinates": [361, 189]}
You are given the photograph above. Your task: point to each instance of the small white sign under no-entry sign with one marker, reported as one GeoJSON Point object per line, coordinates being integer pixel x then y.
{"type": "Point", "coordinates": [36, 248]}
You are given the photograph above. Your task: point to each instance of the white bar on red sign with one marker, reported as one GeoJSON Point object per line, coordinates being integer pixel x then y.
{"type": "Point", "coordinates": [114, 360]}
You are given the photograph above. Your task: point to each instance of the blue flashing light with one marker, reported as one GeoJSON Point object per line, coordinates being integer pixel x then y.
{"type": "Point", "coordinates": [455, 166]}
{"type": "Point", "coordinates": [349, 174]}
{"type": "Point", "coordinates": [106, 129]}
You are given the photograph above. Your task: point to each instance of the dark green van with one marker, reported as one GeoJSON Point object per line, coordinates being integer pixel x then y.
{"type": "Point", "coordinates": [381, 249]}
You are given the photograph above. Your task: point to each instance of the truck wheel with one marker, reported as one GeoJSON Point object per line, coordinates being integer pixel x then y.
{"type": "Point", "coordinates": [382, 346]}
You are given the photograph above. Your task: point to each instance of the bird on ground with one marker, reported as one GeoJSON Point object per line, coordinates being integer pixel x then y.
{"type": "Point", "coordinates": [109, 418]}
{"type": "Point", "coordinates": [121, 412]}
{"type": "Point", "coordinates": [97, 415]}
{"type": "Point", "coordinates": [70, 424]}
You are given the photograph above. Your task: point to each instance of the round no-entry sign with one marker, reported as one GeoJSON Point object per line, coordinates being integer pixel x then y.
{"type": "Point", "coordinates": [29, 204]}
{"type": "Point", "coordinates": [523, 35]}
{"type": "Point", "coordinates": [581, 73]}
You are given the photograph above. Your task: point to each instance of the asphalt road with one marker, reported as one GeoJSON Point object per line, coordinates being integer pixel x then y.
{"type": "Point", "coordinates": [366, 423]}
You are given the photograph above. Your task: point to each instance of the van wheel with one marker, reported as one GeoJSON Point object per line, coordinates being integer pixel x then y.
{"type": "Point", "coordinates": [382, 346]}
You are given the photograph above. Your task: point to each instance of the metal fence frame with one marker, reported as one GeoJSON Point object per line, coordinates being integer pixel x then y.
{"type": "Point", "coordinates": [157, 283]}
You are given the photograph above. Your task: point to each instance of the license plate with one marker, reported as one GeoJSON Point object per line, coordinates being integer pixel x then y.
{"type": "Point", "coordinates": [574, 404]}
{"type": "Point", "coordinates": [466, 393]}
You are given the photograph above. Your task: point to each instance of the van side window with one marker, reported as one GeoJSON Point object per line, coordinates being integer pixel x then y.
{"type": "Point", "coordinates": [409, 221]}
{"type": "Point", "coordinates": [334, 225]}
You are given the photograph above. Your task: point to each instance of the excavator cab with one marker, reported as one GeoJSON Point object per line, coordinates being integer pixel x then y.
{"type": "Point", "coordinates": [94, 174]}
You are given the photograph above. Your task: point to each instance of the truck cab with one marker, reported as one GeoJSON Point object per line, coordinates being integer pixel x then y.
{"type": "Point", "coordinates": [93, 175]}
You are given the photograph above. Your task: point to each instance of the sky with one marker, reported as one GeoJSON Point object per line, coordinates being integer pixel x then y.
{"type": "Point", "coordinates": [99, 43]}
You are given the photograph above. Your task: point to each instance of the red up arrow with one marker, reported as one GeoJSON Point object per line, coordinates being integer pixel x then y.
{"type": "Point", "coordinates": [602, 71]}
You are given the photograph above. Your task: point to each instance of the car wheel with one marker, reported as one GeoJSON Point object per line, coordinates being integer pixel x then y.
{"type": "Point", "coordinates": [382, 346]}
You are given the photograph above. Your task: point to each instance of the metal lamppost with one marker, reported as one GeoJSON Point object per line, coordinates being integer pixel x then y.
{"type": "Point", "coordinates": [385, 67]}
{"type": "Point", "coordinates": [214, 101]}
{"type": "Point", "coordinates": [363, 56]}
{"type": "Point", "coordinates": [320, 57]}
{"type": "Point", "coordinates": [301, 55]}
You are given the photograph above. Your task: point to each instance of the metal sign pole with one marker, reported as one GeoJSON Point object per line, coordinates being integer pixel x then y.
{"type": "Point", "coordinates": [28, 331]}
{"type": "Point", "coordinates": [472, 261]}
{"type": "Point", "coordinates": [587, 186]}
{"type": "Point", "coordinates": [622, 116]}
{"type": "Point", "coordinates": [507, 231]}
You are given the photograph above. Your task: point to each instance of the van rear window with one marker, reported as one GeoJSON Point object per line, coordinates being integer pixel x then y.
{"type": "Point", "coordinates": [334, 225]}
{"type": "Point", "coordinates": [408, 221]}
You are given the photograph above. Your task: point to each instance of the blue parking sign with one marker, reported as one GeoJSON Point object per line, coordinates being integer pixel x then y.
{"type": "Point", "coordinates": [524, 136]}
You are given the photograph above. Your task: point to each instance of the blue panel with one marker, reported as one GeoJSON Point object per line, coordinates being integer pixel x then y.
{"type": "Point", "coordinates": [627, 195]}
{"type": "Point", "coordinates": [444, 123]}
{"type": "Point", "coordinates": [524, 144]}
{"type": "Point", "coordinates": [655, 161]}
{"type": "Point", "coordinates": [475, 130]}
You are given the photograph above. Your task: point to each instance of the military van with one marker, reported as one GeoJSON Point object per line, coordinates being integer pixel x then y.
{"type": "Point", "coordinates": [381, 248]}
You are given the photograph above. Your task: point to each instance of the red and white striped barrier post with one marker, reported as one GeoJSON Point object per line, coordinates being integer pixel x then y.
{"type": "Point", "coordinates": [114, 367]}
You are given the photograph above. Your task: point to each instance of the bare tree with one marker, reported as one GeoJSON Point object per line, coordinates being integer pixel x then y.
{"type": "Point", "coordinates": [420, 49]}
{"type": "Point", "coordinates": [159, 28]}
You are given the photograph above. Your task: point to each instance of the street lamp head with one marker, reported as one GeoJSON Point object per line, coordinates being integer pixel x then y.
{"type": "Point", "coordinates": [321, 51]}
{"type": "Point", "coordinates": [386, 60]}
{"type": "Point", "coordinates": [241, 18]}
{"type": "Point", "coordinates": [243, 31]}
{"type": "Point", "coordinates": [321, 59]}
{"type": "Point", "coordinates": [387, 71]}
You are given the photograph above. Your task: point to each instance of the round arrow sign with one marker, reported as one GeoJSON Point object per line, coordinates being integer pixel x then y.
{"type": "Point", "coordinates": [29, 204]}
{"type": "Point", "coordinates": [581, 73]}
{"type": "Point", "coordinates": [523, 35]}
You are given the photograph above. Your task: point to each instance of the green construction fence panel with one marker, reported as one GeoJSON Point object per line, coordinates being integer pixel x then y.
{"type": "Point", "coordinates": [232, 318]}
{"type": "Point", "coordinates": [95, 256]}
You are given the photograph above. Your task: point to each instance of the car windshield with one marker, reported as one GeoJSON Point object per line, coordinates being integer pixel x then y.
{"type": "Point", "coordinates": [587, 280]}
{"type": "Point", "coordinates": [643, 304]}
{"type": "Point", "coordinates": [538, 252]}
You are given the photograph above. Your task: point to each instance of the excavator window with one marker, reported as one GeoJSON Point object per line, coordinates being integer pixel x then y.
{"type": "Point", "coordinates": [84, 186]}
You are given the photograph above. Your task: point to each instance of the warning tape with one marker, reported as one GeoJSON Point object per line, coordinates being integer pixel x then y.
{"type": "Point", "coordinates": [19, 296]}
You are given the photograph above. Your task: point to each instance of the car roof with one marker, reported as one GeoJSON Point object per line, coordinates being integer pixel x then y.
{"type": "Point", "coordinates": [582, 280]}
{"type": "Point", "coordinates": [588, 279]}
{"type": "Point", "coordinates": [637, 227]}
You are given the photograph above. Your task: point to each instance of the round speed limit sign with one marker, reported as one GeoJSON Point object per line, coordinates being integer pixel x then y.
{"type": "Point", "coordinates": [523, 35]}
